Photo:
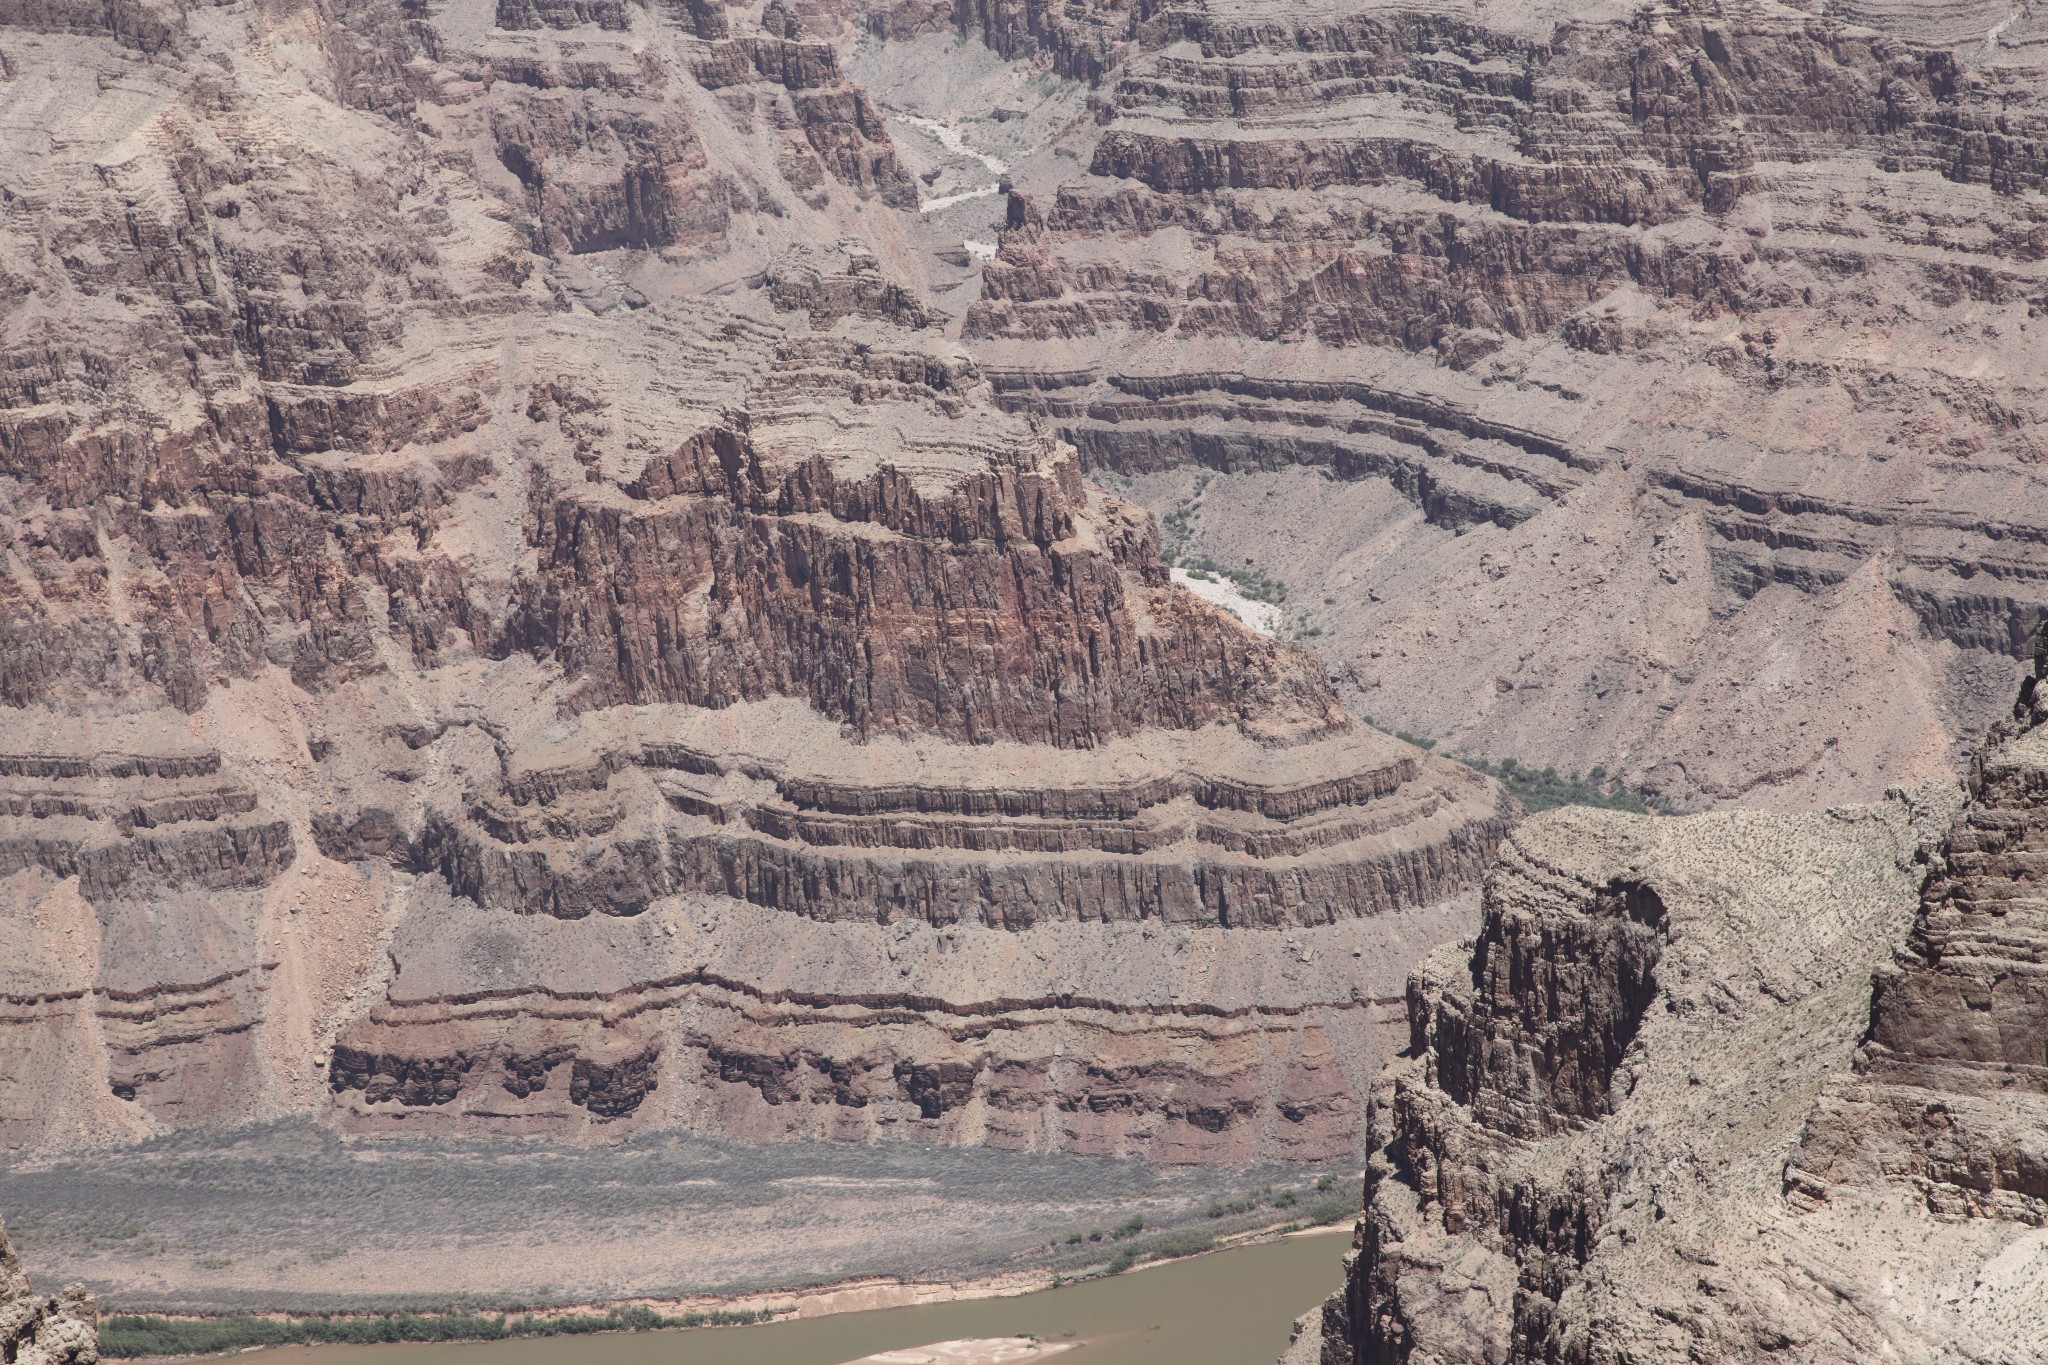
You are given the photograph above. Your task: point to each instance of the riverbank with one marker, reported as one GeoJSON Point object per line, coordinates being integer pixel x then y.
{"type": "Point", "coordinates": [1234, 1306]}
{"type": "Point", "coordinates": [166, 1337]}
{"type": "Point", "coordinates": [287, 1220]}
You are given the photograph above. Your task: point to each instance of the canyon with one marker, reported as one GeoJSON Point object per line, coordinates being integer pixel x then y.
{"type": "Point", "coordinates": [521, 622]}
{"type": "Point", "coordinates": [867, 573]}
{"type": "Point", "coordinates": [1667, 376]}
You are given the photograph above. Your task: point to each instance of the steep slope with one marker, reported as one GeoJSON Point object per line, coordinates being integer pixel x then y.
{"type": "Point", "coordinates": [1667, 374]}
{"type": "Point", "coordinates": [39, 1330]}
{"type": "Point", "coordinates": [1951, 1096]}
{"type": "Point", "coordinates": [1677, 1102]}
{"type": "Point", "coordinates": [518, 621]}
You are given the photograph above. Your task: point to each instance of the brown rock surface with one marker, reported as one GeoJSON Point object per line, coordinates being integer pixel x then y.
{"type": "Point", "coordinates": [38, 1329]}
{"type": "Point", "coordinates": [518, 620]}
{"type": "Point", "coordinates": [1951, 1095]}
{"type": "Point", "coordinates": [1583, 1154]}
{"type": "Point", "coordinates": [1668, 375]}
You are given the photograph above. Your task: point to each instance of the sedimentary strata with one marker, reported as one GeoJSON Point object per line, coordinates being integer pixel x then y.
{"type": "Point", "coordinates": [1950, 1100]}
{"type": "Point", "coordinates": [885, 731]}
{"type": "Point", "coordinates": [1583, 1154]}
{"type": "Point", "coordinates": [519, 618]}
{"type": "Point", "coordinates": [1601, 357]}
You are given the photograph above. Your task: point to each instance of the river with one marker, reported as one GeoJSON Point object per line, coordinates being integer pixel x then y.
{"type": "Point", "coordinates": [1228, 1308]}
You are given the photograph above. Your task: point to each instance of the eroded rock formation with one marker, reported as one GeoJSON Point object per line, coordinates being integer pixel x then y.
{"type": "Point", "coordinates": [1951, 1094]}
{"type": "Point", "coordinates": [39, 1329]}
{"type": "Point", "coordinates": [1583, 1155]}
{"type": "Point", "coordinates": [518, 619]}
{"type": "Point", "coordinates": [1667, 374]}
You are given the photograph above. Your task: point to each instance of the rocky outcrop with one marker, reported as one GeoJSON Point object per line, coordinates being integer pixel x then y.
{"type": "Point", "coordinates": [490, 493]}
{"type": "Point", "coordinates": [37, 1329]}
{"type": "Point", "coordinates": [1576, 309]}
{"type": "Point", "coordinates": [1951, 1094]}
{"type": "Point", "coordinates": [845, 695]}
{"type": "Point", "coordinates": [1582, 1153]}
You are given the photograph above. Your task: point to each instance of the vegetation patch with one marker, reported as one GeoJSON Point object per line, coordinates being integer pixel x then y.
{"type": "Point", "coordinates": [1249, 582]}
{"type": "Point", "coordinates": [1330, 1208]}
{"type": "Point", "coordinates": [1545, 790]}
{"type": "Point", "coordinates": [125, 1336]}
{"type": "Point", "coordinates": [1548, 789]}
{"type": "Point", "coordinates": [1177, 530]}
{"type": "Point", "coordinates": [1174, 1244]}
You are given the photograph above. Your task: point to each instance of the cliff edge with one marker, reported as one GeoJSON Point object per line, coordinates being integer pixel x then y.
{"type": "Point", "coordinates": [1651, 1113]}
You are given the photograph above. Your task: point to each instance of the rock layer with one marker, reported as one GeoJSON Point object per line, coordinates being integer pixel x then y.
{"type": "Point", "coordinates": [486, 493]}
{"type": "Point", "coordinates": [1951, 1097]}
{"type": "Point", "coordinates": [1582, 1154]}
{"type": "Point", "coordinates": [1598, 356]}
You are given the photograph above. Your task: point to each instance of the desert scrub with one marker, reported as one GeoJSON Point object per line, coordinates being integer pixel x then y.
{"type": "Point", "coordinates": [1249, 582]}
{"type": "Point", "coordinates": [1164, 1248]}
{"type": "Point", "coordinates": [125, 1335]}
{"type": "Point", "coordinates": [1547, 790]}
{"type": "Point", "coordinates": [1334, 1208]}
{"type": "Point", "coordinates": [1419, 741]}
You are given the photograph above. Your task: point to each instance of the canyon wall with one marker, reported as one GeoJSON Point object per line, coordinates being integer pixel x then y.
{"type": "Point", "coordinates": [1668, 375]}
{"type": "Point", "coordinates": [520, 620]}
{"type": "Point", "coordinates": [1680, 1101]}
{"type": "Point", "coordinates": [534, 602]}
{"type": "Point", "coordinates": [1950, 1099]}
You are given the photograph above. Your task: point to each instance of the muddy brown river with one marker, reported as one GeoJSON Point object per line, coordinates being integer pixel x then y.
{"type": "Point", "coordinates": [1228, 1308]}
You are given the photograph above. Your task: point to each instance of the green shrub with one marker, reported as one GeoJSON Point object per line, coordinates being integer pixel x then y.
{"type": "Point", "coordinates": [1548, 790]}
{"type": "Point", "coordinates": [125, 1335]}
{"type": "Point", "coordinates": [1332, 1208]}
{"type": "Point", "coordinates": [1164, 1247]}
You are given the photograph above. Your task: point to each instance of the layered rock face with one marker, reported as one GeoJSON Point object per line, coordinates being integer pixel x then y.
{"type": "Point", "coordinates": [518, 620]}
{"type": "Point", "coordinates": [1667, 374]}
{"type": "Point", "coordinates": [36, 1329]}
{"type": "Point", "coordinates": [1951, 1095]}
{"type": "Point", "coordinates": [1583, 1154]}
{"type": "Point", "coordinates": [925, 806]}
